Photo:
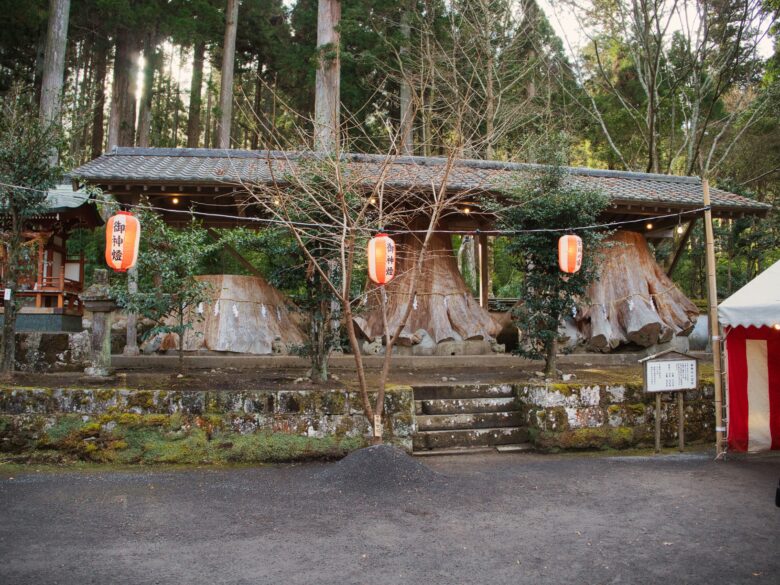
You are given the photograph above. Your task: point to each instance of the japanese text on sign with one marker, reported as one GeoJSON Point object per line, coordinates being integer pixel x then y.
{"type": "Point", "coordinates": [667, 375]}
{"type": "Point", "coordinates": [118, 240]}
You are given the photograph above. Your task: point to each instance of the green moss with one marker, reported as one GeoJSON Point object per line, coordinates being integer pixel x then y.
{"type": "Point", "coordinates": [637, 409]}
{"type": "Point", "coordinates": [155, 420]}
{"type": "Point", "coordinates": [105, 395]}
{"type": "Point", "coordinates": [91, 429]}
{"type": "Point", "coordinates": [564, 389]}
{"type": "Point", "coordinates": [63, 427]}
{"type": "Point", "coordinates": [128, 419]}
{"type": "Point", "coordinates": [334, 402]}
{"type": "Point", "coordinates": [582, 439]}
{"type": "Point", "coordinates": [175, 421]}
{"type": "Point", "coordinates": [555, 418]}
{"type": "Point", "coordinates": [620, 437]}
{"type": "Point", "coordinates": [141, 399]}
{"type": "Point", "coordinates": [613, 409]}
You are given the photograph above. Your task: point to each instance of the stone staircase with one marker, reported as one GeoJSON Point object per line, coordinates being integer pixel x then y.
{"type": "Point", "coordinates": [453, 419]}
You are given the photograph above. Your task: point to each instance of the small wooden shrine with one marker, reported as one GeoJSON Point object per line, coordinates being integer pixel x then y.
{"type": "Point", "coordinates": [51, 278]}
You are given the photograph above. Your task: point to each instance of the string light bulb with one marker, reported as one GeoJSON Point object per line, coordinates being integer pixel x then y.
{"type": "Point", "coordinates": [776, 326]}
{"type": "Point", "coordinates": [175, 200]}
{"type": "Point", "coordinates": [649, 225]}
{"type": "Point", "coordinates": [466, 210]}
{"type": "Point", "coordinates": [679, 225]}
{"type": "Point", "coordinates": [372, 200]}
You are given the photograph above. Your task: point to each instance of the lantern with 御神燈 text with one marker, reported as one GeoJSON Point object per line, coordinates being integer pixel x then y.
{"type": "Point", "coordinates": [569, 253]}
{"type": "Point", "coordinates": [123, 235]}
{"type": "Point", "coordinates": [381, 259]}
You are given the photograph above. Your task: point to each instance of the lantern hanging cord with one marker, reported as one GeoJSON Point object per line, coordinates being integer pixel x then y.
{"type": "Point", "coordinates": [367, 230]}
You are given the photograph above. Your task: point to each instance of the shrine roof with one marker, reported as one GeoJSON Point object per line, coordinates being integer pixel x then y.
{"type": "Point", "coordinates": [126, 169]}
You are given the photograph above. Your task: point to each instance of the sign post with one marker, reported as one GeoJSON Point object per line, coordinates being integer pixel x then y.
{"type": "Point", "coordinates": [670, 371]}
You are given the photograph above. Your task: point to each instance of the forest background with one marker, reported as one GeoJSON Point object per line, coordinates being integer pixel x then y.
{"type": "Point", "coordinates": [672, 86]}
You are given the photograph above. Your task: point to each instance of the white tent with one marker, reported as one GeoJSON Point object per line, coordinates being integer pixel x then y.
{"type": "Point", "coordinates": [751, 321]}
{"type": "Point", "coordinates": [757, 304]}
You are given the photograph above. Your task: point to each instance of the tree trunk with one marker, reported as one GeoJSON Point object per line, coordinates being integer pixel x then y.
{"type": "Point", "coordinates": [181, 339]}
{"type": "Point", "coordinates": [256, 129]}
{"type": "Point", "coordinates": [490, 108]}
{"type": "Point", "coordinates": [99, 106]}
{"type": "Point", "coordinates": [54, 63]}
{"type": "Point", "coordinates": [151, 56]}
{"type": "Point", "coordinates": [406, 140]}
{"type": "Point", "coordinates": [207, 124]}
{"type": "Point", "coordinates": [228, 58]}
{"type": "Point", "coordinates": [8, 355]}
{"type": "Point", "coordinates": [327, 92]}
{"type": "Point", "coordinates": [633, 301]}
{"type": "Point", "coordinates": [193, 120]}
{"type": "Point", "coordinates": [550, 358]}
{"type": "Point", "coordinates": [7, 364]}
{"type": "Point", "coordinates": [445, 307]}
{"type": "Point", "coordinates": [176, 98]}
{"type": "Point", "coordinates": [121, 124]}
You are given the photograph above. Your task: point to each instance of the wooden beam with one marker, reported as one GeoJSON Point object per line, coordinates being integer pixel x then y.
{"type": "Point", "coordinates": [484, 265]}
{"type": "Point", "coordinates": [235, 253]}
{"type": "Point", "coordinates": [680, 246]}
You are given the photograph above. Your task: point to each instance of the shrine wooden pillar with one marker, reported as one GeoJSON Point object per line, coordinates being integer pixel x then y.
{"type": "Point", "coordinates": [484, 271]}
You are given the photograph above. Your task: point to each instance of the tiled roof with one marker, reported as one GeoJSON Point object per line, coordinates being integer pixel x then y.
{"type": "Point", "coordinates": [207, 167]}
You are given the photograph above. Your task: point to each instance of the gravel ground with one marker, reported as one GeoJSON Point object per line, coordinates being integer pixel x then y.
{"type": "Point", "coordinates": [381, 518]}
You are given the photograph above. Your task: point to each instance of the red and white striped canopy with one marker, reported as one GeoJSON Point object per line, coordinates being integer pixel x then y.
{"type": "Point", "coordinates": [753, 357]}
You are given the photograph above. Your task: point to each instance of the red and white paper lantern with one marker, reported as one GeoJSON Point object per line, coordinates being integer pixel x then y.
{"type": "Point", "coordinates": [123, 235]}
{"type": "Point", "coordinates": [570, 253]}
{"type": "Point", "coordinates": [381, 259]}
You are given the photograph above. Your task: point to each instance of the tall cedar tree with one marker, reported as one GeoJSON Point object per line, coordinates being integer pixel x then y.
{"type": "Point", "coordinates": [25, 175]}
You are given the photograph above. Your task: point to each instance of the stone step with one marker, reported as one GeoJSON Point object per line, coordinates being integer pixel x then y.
{"type": "Point", "coordinates": [451, 391]}
{"type": "Point", "coordinates": [464, 405]}
{"type": "Point", "coordinates": [479, 420]}
{"type": "Point", "coordinates": [469, 438]}
{"type": "Point", "coordinates": [515, 447]}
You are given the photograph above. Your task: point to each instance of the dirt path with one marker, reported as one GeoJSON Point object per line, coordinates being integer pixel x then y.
{"type": "Point", "coordinates": [295, 377]}
{"type": "Point", "coordinates": [479, 519]}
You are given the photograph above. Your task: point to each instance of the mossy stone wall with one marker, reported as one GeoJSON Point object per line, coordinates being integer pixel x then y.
{"type": "Point", "coordinates": [125, 425]}
{"type": "Point", "coordinates": [576, 416]}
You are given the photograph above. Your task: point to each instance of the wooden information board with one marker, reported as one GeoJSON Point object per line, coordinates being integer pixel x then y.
{"type": "Point", "coordinates": [670, 371]}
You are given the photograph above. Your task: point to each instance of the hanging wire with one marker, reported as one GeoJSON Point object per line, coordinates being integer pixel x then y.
{"type": "Point", "coordinates": [398, 231]}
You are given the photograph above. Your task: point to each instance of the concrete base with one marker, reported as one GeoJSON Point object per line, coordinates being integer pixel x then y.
{"type": "Point", "coordinates": [47, 322]}
{"type": "Point", "coordinates": [98, 372]}
{"type": "Point", "coordinates": [203, 361]}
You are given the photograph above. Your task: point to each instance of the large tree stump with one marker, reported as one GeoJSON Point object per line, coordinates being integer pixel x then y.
{"type": "Point", "coordinates": [445, 307]}
{"type": "Point", "coordinates": [245, 315]}
{"type": "Point", "coordinates": [633, 301]}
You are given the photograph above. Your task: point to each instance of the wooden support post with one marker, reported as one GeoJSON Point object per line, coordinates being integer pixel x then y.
{"type": "Point", "coordinates": [484, 275]}
{"type": "Point", "coordinates": [131, 343]}
{"type": "Point", "coordinates": [712, 295]}
{"type": "Point", "coordinates": [658, 422]}
{"type": "Point", "coordinates": [681, 420]}
{"type": "Point", "coordinates": [235, 253]}
{"type": "Point", "coordinates": [680, 247]}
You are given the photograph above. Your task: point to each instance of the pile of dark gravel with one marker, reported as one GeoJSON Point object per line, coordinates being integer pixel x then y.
{"type": "Point", "coordinates": [381, 467]}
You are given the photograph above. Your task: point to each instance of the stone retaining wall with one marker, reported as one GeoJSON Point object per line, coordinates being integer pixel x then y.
{"type": "Point", "coordinates": [573, 416]}
{"type": "Point", "coordinates": [35, 417]}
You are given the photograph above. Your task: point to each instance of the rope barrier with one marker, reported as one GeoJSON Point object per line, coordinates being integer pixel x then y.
{"type": "Point", "coordinates": [367, 230]}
